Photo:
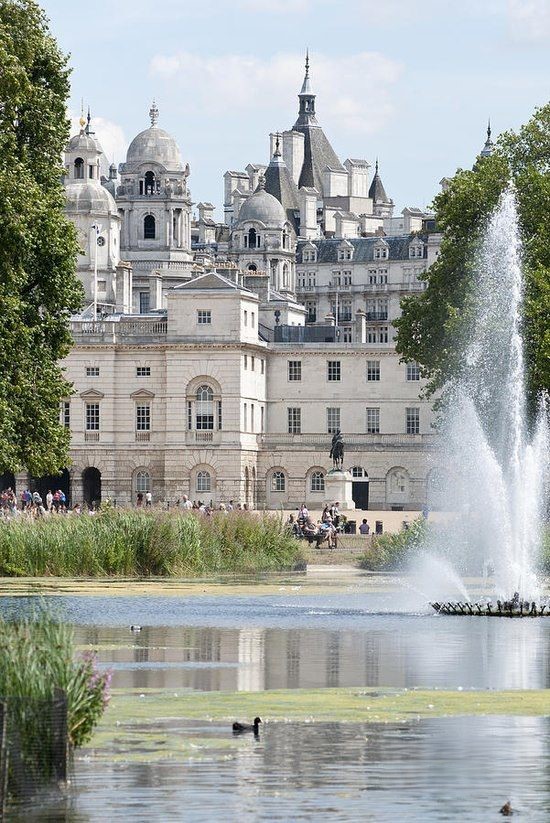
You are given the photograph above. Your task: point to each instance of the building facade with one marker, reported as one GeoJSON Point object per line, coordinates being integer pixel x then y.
{"type": "Point", "coordinates": [216, 360]}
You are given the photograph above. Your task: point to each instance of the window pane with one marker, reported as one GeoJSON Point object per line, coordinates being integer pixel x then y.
{"type": "Point", "coordinates": [373, 421]}
{"type": "Point", "coordinates": [373, 370]}
{"type": "Point", "coordinates": [412, 420]}
{"type": "Point", "coordinates": [294, 421]}
{"type": "Point", "coordinates": [333, 420]}
{"type": "Point", "coordinates": [413, 371]}
{"type": "Point", "coordinates": [204, 317]}
{"type": "Point", "coordinates": [294, 369]}
{"type": "Point", "coordinates": [203, 482]}
{"type": "Point", "coordinates": [143, 371]}
{"type": "Point", "coordinates": [333, 370]}
{"type": "Point", "coordinates": [278, 482]}
{"type": "Point", "coordinates": [317, 482]}
{"type": "Point", "coordinates": [143, 417]}
{"type": "Point", "coordinates": [92, 417]}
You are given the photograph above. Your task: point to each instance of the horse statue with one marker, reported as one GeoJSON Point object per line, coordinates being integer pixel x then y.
{"type": "Point", "coordinates": [337, 450]}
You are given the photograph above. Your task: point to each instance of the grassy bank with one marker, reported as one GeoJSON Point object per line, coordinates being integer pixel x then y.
{"type": "Point", "coordinates": [141, 544]}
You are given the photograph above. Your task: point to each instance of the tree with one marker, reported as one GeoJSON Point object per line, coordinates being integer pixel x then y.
{"type": "Point", "coordinates": [39, 289]}
{"type": "Point", "coordinates": [434, 325]}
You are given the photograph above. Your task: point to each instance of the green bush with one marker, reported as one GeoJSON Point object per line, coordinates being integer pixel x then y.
{"type": "Point", "coordinates": [37, 657]}
{"type": "Point", "coordinates": [127, 543]}
{"type": "Point", "coordinates": [393, 551]}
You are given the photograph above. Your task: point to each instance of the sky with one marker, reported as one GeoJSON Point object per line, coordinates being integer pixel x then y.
{"type": "Point", "coordinates": [412, 84]}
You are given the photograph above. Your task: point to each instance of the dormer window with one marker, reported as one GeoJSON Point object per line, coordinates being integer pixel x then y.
{"type": "Point", "coordinates": [344, 254]}
{"type": "Point", "coordinates": [381, 252]}
{"type": "Point", "coordinates": [309, 255]}
{"type": "Point", "coordinates": [416, 250]}
{"type": "Point", "coordinates": [79, 169]}
{"type": "Point", "coordinates": [252, 239]}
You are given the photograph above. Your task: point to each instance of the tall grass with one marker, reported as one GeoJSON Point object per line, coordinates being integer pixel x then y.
{"type": "Point", "coordinates": [139, 543]}
{"type": "Point", "coordinates": [37, 657]}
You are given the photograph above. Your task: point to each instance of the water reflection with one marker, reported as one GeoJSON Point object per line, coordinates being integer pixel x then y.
{"type": "Point", "coordinates": [394, 651]}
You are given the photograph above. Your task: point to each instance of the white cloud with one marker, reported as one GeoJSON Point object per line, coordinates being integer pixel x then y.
{"type": "Point", "coordinates": [529, 20]}
{"type": "Point", "coordinates": [110, 135]}
{"type": "Point", "coordinates": [355, 91]}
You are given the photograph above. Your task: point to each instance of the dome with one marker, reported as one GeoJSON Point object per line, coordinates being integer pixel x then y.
{"type": "Point", "coordinates": [264, 207]}
{"type": "Point", "coordinates": [89, 196]}
{"type": "Point", "coordinates": [154, 145]}
{"type": "Point", "coordinates": [85, 143]}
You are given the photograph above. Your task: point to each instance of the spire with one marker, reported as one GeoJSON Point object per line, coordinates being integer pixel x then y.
{"type": "Point", "coordinates": [306, 85]}
{"type": "Point", "coordinates": [154, 114]}
{"type": "Point", "coordinates": [377, 192]}
{"type": "Point", "coordinates": [277, 152]}
{"type": "Point", "coordinates": [82, 120]}
{"type": "Point", "coordinates": [88, 123]}
{"type": "Point", "coordinates": [487, 149]}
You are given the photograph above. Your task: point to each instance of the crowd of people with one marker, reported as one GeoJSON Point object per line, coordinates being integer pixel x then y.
{"type": "Point", "coordinates": [326, 529]}
{"type": "Point", "coordinates": [32, 504]}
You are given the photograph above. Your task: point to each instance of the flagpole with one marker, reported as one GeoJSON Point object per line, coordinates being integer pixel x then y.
{"type": "Point", "coordinates": [96, 232]}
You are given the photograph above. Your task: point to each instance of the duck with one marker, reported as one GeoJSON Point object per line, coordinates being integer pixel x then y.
{"type": "Point", "coordinates": [507, 810]}
{"type": "Point", "coordinates": [247, 727]}
{"type": "Point", "coordinates": [134, 628]}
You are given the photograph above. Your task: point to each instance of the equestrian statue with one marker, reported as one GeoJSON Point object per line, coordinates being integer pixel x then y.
{"type": "Point", "coordinates": [337, 450]}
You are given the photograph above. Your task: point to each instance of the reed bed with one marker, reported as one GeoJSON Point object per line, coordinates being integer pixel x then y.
{"type": "Point", "coordinates": [128, 543]}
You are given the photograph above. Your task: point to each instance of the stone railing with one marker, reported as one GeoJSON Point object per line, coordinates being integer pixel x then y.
{"type": "Point", "coordinates": [113, 331]}
{"type": "Point", "coordinates": [352, 442]}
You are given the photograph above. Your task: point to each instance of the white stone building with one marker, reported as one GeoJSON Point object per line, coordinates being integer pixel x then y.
{"type": "Point", "coordinates": [223, 356]}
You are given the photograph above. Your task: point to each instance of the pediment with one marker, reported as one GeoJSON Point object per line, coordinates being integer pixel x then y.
{"type": "Point", "coordinates": [141, 394]}
{"type": "Point", "coordinates": [92, 394]}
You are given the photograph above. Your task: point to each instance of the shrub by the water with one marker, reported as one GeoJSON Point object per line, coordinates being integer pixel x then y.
{"type": "Point", "coordinates": [393, 551]}
{"type": "Point", "coordinates": [118, 542]}
{"type": "Point", "coordinates": [37, 657]}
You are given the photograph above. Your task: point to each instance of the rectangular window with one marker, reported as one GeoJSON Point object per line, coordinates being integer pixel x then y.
{"type": "Point", "coordinates": [346, 278]}
{"type": "Point", "coordinates": [373, 370]}
{"type": "Point", "coordinates": [412, 420]}
{"type": "Point", "coordinates": [92, 371]}
{"type": "Point", "coordinates": [347, 334]}
{"type": "Point", "coordinates": [204, 317]}
{"type": "Point", "coordinates": [245, 317]}
{"type": "Point", "coordinates": [252, 319]}
{"type": "Point", "coordinates": [371, 334]}
{"type": "Point", "coordinates": [333, 420]}
{"type": "Point", "coordinates": [311, 307]}
{"type": "Point", "coordinates": [413, 371]}
{"type": "Point", "coordinates": [66, 414]}
{"type": "Point", "coordinates": [245, 417]}
{"type": "Point", "coordinates": [294, 370]}
{"type": "Point", "coordinates": [252, 422]}
{"type": "Point", "coordinates": [294, 421]}
{"type": "Point", "coordinates": [336, 278]}
{"type": "Point", "coordinates": [311, 279]}
{"type": "Point", "coordinates": [143, 417]}
{"type": "Point", "coordinates": [219, 402]}
{"type": "Point", "coordinates": [143, 371]}
{"type": "Point", "coordinates": [383, 334]}
{"type": "Point", "coordinates": [252, 362]}
{"type": "Point", "coordinates": [262, 366]}
{"type": "Point", "coordinates": [246, 361]}
{"type": "Point", "coordinates": [333, 371]}
{"type": "Point", "coordinates": [373, 421]}
{"type": "Point", "coordinates": [144, 302]}
{"type": "Point", "coordinates": [262, 419]}
{"type": "Point", "coordinates": [189, 415]}
{"type": "Point", "coordinates": [92, 417]}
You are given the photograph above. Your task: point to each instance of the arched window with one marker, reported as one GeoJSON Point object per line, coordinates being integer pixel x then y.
{"type": "Point", "coordinates": [205, 408]}
{"type": "Point", "coordinates": [204, 481]}
{"type": "Point", "coordinates": [252, 238]}
{"type": "Point", "coordinates": [253, 267]}
{"type": "Point", "coordinates": [143, 482]}
{"type": "Point", "coordinates": [149, 182]}
{"type": "Point", "coordinates": [79, 169]}
{"type": "Point", "coordinates": [278, 482]}
{"type": "Point", "coordinates": [149, 227]}
{"type": "Point", "coordinates": [358, 471]}
{"type": "Point", "coordinates": [317, 483]}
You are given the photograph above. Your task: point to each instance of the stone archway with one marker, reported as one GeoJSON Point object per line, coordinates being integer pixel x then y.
{"type": "Point", "coordinates": [91, 486]}
{"type": "Point", "coordinates": [53, 483]}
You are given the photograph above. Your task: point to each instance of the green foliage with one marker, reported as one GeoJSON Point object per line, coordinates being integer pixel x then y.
{"type": "Point", "coordinates": [39, 289]}
{"type": "Point", "coordinates": [37, 656]}
{"type": "Point", "coordinates": [434, 324]}
{"type": "Point", "coordinates": [388, 552]}
{"type": "Point", "coordinates": [128, 543]}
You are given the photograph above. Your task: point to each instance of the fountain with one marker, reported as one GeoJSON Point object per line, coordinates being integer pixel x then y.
{"type": "Point", "coordinates": [496, 460]}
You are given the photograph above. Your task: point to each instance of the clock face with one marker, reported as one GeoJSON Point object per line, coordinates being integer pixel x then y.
{"type": "Point", "coordinates": [100, 241]}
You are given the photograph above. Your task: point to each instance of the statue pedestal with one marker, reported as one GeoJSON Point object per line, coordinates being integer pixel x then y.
{"type": "Point", "coordinates": [338, 488]}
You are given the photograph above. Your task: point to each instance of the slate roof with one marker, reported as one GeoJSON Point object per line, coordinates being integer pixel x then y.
{"type": "Point", "coordinates": [318, 154]}
{"type": "Point", "coordinates": [363, 248]}
{"type": "Point", "coordinates": [377, 192]}
{"type": "Point", "coordinates": [280, 184]}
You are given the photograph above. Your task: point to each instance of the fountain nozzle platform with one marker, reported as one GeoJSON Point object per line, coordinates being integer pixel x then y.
{"type": "Point", "coordinates": [503, 608]}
